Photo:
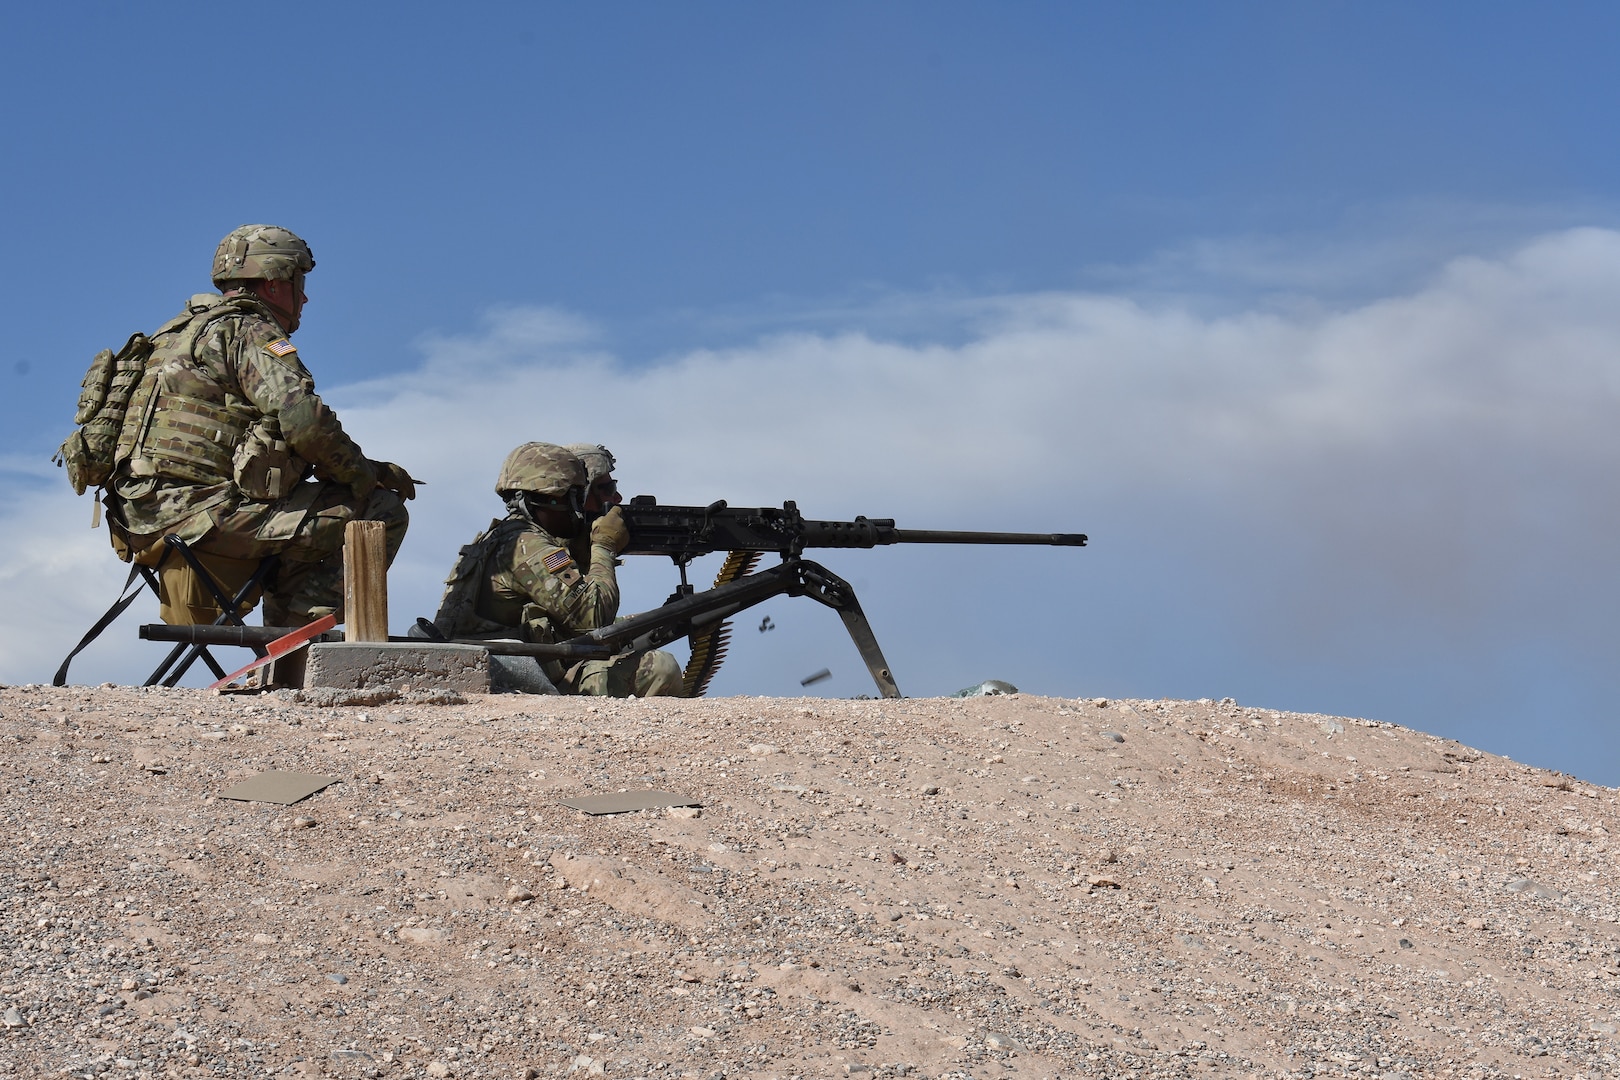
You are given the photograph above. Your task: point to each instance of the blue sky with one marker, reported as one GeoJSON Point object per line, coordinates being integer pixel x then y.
{"type": "Point", "coordinates": [1301, 311]}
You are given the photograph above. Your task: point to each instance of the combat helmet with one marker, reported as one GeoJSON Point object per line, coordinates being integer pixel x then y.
{"type": "Point", "coordinates": [260, 253]}
{"type": "Point", "coordinates": [542, 468]}
{"type": "Point", "coordinates": [598, 459]}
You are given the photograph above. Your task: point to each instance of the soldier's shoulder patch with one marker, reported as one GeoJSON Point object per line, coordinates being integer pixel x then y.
{"type": "Point", "coordinates": [560, 563]}
{"type": "Point", "coordinates": [281, 347]}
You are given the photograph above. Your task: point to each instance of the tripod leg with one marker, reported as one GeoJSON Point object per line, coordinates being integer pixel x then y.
{"type": "Point", "coordinates": [861, 632]}
{"type": "Point", "coordinates": [823, 585]}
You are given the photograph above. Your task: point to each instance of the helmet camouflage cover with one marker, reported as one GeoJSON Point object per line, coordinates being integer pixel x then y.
{"type": "Point", "coordinates": [261, 253]}
{"type": "Point", "coordinates": [598, 459]}
{"type": "Point", "coordinates": [542, 468]}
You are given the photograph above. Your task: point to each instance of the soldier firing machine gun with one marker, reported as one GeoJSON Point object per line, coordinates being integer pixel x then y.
{"type": "Point", "coordinates": [686, 532]}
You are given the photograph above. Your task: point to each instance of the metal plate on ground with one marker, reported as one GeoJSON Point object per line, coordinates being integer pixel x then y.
{"type": "Point", "coordinates": [622, 802]}
{"type": "Point", "coordinates": [284, 788]}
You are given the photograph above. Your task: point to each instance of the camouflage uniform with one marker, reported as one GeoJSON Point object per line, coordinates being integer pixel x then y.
{"type": "Point", "coordinates": [517, 576]}
{"type": "Point", "coordinates": [218, 447]}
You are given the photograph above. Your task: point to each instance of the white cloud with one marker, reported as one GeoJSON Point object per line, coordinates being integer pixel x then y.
{"type": "Point", "coordinates": [57, 575]}
{"type": "Point", "coordinates": [1421, 468]}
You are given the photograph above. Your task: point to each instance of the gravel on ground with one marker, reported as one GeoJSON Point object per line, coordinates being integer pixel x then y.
{"type": "Point", "coordinates": [982, 887]}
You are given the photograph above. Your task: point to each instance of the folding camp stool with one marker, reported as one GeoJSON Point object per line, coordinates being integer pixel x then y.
{"type": "Point", "coordinates": [191, 589]}
{"type": "Point", "coordinates": [196, 587]}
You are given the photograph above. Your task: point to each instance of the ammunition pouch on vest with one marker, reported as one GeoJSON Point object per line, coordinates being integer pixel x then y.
{"type": "Point", "coordinates": [264, 466]}
{"type": "Point", "coordinates": [537, 625]}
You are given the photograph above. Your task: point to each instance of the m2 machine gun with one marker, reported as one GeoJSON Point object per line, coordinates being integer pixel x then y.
{"type": "Point", "coordinates": [686, 532]}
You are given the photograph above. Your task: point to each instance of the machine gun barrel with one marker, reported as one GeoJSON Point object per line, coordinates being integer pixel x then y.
{"type": "Point", "coordinates": [957, 536]}
{"type": "Point", "coordinates": [686, 532]}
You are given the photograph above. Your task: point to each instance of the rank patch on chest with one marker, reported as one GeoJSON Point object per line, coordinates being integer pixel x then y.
{"type": "Point", "coordinates": [281, 347]}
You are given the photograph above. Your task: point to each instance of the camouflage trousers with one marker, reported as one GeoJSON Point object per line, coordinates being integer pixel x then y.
{"type": "Point", "coordinates": [654, 673]}
{"type": "Point", "coordinates": [306, 530]}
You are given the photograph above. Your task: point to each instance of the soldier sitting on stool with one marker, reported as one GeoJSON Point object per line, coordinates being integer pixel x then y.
{"type": "Point", "coordinates": [226, 444]}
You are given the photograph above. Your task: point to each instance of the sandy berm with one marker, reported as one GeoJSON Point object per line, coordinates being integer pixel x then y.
{"type": "Point", "coordinates": [986, 887]}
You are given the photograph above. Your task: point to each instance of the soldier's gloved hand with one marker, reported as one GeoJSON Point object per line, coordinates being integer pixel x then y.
{"type": "Point", "coordinates": [395, 479]}
{"type": "Point", "coordinates": [610, 531]}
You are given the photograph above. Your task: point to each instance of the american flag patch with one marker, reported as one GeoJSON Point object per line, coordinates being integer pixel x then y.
{"type": "Point", "coordinates": [558, 561]}
{"type": "Point", "coordinates": [281, 347]}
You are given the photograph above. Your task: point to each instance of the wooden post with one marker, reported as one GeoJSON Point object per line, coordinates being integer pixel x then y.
{"type": "Point", "coordinates": [365, 581]}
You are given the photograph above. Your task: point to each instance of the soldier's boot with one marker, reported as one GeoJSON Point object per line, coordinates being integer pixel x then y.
{"type": "Point", "coordinates": [658, 674]}
{"type": "Point", "coordinates": [606, 678]}
{"type": "Point", "coordinates": [650, 674]}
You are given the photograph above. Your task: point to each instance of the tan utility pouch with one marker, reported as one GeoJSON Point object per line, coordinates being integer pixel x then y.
{"type": "Point", "coordinates": [265, 468]}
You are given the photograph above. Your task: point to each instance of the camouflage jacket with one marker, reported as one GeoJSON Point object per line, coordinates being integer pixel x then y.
{"type": "Point", "coordinates": [517, 576]}
{"type": "Point", "coordinates": [225, 413]}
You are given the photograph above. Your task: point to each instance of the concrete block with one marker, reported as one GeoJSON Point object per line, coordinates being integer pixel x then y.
{"type": "Point", "coordinates": [359, 665]}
